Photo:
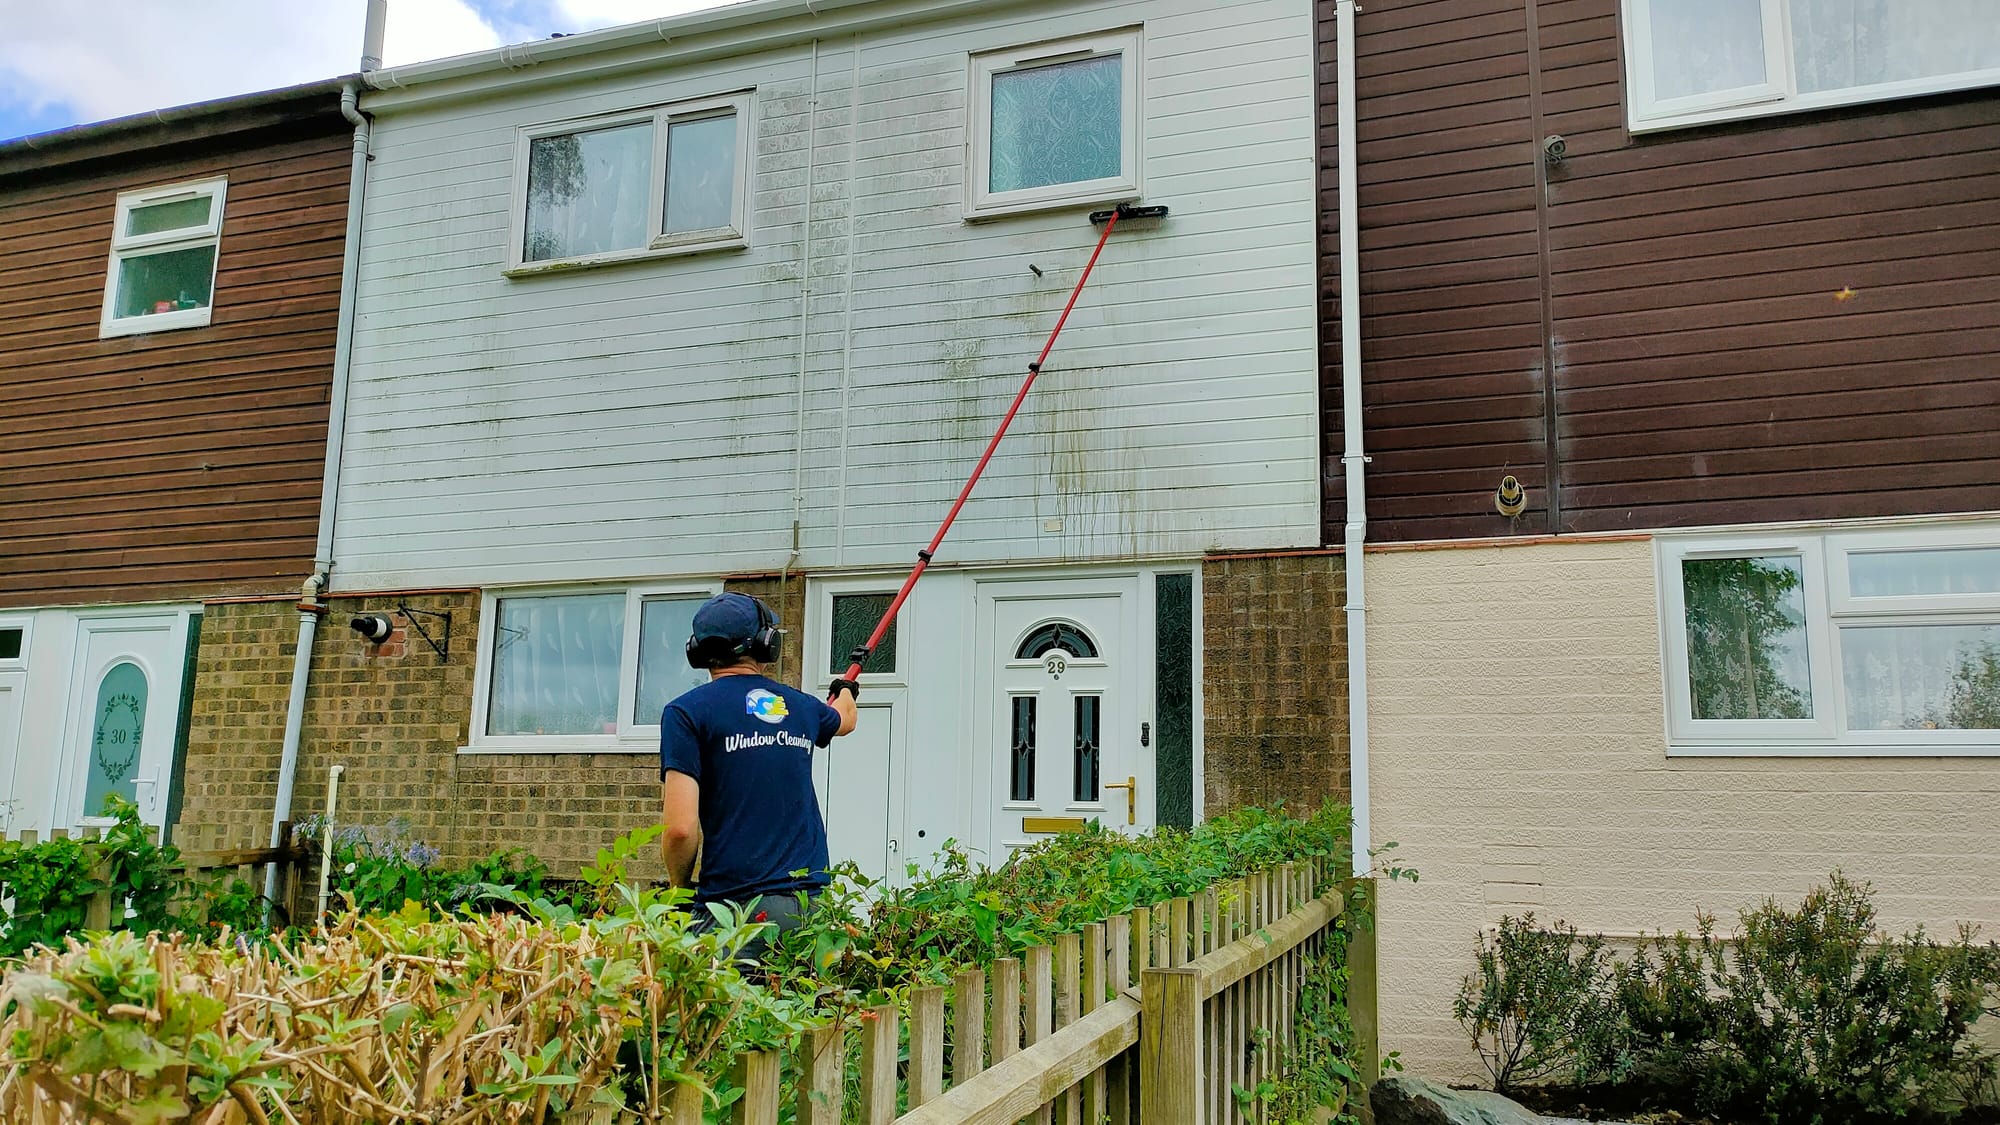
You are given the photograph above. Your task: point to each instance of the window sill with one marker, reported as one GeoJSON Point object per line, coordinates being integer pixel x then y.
{"type": "Point", "coordinates": [1004, 208]}
{"type": "Point", "coordinates": [1641, 125]}
{"type": "Point", "coordinates": [1989, 749]}
{"type": "Point", "coordinates": [565, 744]}
{"type": "Point", "coordinates": [660, 249]}
{"type": "Point", "coordinates": [156, 322]}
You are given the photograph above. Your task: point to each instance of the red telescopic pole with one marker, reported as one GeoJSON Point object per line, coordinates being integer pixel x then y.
{"type": "Point", "coordinates": [860, 655]}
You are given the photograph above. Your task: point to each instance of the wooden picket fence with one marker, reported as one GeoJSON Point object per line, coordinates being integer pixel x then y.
{"type": "Point", "coordinates": [203, 851]}
{"type": "Point", "coordinates": [1156, 1016]}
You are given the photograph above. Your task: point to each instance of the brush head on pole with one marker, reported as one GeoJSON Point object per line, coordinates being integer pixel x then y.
{"type": "Point", "coordinates": [1126, 211]}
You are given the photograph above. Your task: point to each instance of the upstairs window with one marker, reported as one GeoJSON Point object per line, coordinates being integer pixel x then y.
{"type": "Point", "coordinates": [163, 251]}
{"type": "Point", "coordinates": [1054, 125]}
{"type": "Point", "coordinates": [663, 181]}
{"type": "Point", "coordinates": [1881, 642]}
{"type": "Point", "coordinates": [1690, 62]}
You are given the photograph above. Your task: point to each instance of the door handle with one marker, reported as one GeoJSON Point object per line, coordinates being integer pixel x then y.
{"type": "Point", "coordinates": [1131, 787]}
{"type": "Point", "coordinates": [152, 785]}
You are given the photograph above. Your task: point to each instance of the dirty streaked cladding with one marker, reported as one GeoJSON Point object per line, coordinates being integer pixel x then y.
{"type": "Point", "coordinates": [1768, 320]}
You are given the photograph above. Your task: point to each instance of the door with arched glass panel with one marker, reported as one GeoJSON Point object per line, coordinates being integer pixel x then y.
{"type": "Point", "coordinates": [1064, 732]}
{"type": "Point", "coordinates": [125, 703]}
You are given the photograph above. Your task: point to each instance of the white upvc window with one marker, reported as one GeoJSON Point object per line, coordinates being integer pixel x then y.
{"type": "Point", "coordinates": [649, 183]}
{"type": "Point", "coordinates": [1690, 62]}
{"type": "Point", "coordinates": [1865, 642]}
{"type": "Point", "coordinates": [1054, 125]}
{"type": "Point", "coordinates": [164, 244]}
{"type": "Point", "coordinates": [587, 669]}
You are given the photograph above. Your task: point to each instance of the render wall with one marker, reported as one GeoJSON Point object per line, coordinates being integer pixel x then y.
{"type": "Point", "coordinates": [1517, 753]}
{"type": "Point", "coordinates": [675, 417]}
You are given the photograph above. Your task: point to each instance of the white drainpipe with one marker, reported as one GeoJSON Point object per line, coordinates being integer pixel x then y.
{"type": "Point", "coordinates": [311, 609]}
{"type": "Point", "coordinates": [1351, 456]}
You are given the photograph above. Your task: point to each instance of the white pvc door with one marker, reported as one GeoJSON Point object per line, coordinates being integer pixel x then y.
{"type": "Point", "coordinates": [11, 687]}
{"type": "Point", "coordinates": [860, 778]}
{"type": "Point", "coordinates": [124, 707]}
{"type": "Point", "coordinates": [1063, 713]}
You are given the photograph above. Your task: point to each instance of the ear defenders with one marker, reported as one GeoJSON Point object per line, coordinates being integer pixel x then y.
{"type": "Point", "coordinates": [763, 645]}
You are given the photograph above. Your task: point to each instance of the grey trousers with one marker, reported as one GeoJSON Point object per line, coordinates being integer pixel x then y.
{"type": "Point", "coordinates": [781, 910]}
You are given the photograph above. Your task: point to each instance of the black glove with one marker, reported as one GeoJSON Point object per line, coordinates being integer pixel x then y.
{"type": "Point", "coordinates": [849, 686]}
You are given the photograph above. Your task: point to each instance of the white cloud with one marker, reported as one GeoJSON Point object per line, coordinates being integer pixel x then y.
{"type": "Point", "coordinates": [108, 58]}
{"type": "Point", "coordinates": [589, 15]}
{"type": "Point", "coordinates": [432, 29]}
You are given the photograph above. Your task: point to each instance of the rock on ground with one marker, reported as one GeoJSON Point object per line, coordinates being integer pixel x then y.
{"type": "Point", "coordinates": [1405, 1100]}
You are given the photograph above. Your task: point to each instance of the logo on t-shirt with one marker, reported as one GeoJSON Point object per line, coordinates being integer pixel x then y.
{"type": "Point", "coordinates": [766, 706]}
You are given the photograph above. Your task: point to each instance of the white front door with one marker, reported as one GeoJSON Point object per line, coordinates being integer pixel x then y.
{"type": "Point", "coordinates": [124, 708]}
{"type": "Point", "coordinates": [11, 810]}
{"type": "Point", "coordinates": [860, 778]}
{"type": "Point", "coordinates": [1060, 659]}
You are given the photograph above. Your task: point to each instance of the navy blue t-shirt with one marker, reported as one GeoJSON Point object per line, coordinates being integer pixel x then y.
{"type": "Point", "coordinates": [749, 741]}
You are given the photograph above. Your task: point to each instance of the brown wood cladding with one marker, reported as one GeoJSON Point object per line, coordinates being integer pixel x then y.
{"type": "Point", "coordinates": [184, 463]}
{"type": "Point", "coordinates": [1679, 289]}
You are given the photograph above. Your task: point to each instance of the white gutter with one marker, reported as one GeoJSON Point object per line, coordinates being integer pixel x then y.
{"type": "Point", "coordinates": [311, 609]}
{"type": "Point", "coordinates": [1352, 459]}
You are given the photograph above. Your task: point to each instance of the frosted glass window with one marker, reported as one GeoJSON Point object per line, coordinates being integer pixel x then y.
{"type": "Point", "coordinates": [556, 665]}
{"type": "Point", "coordinates": [1746, 638]}
{"type": "Point", "coordinates": [665, 624]}
{"type": "Point", "coordinates": [588, 192]}
{"type": "Point", "coordinates": [1842, 44]}
{"type": "Point", "coordinates": [118, 728]}
{"type": "Point", "coordinates": [1706, 46]}
{"type": "Point", "coordinates": [854, 617]}
{"type": "Point", "coordinates": [1062, 123]}
{"type": "Point", "coordinates": [701, 174]}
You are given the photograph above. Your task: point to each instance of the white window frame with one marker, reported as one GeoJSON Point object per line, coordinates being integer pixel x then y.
{"type": "Point", "coordinates": [980, 203]}
{"type": "Point", "coordinates": [124, 247]}
{"type": "Point", "coordinates": [1778, 94]}
{"type": "Point", "coordinates": [632, 738]}
{"type": "Point", "coordinates": [1828, 605]}
{"type": "Point", "coordinates": [659, 243]}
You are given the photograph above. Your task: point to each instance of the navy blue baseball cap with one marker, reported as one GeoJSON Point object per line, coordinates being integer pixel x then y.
{"type": "Point", "coordinates": [730, 617]}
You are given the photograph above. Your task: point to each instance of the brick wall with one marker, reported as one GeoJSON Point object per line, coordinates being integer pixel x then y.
{"type": "Point", "coordinates": [1274, 680]}
{"type": "Point", "coordinates": [1518, 745]}
{"type": "Point", "coordinates": [395, 716]}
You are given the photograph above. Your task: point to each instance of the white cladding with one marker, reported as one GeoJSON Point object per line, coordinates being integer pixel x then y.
{"type": "Point", "coordinates": [677, 416]}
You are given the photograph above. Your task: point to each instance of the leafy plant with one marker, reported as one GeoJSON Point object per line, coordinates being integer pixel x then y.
{"type": "Point", "coordinates": [1819, 1017]}
{"type": "Point", "coordinates": [1538, 1005]}
{"type": "Point", "coordinates": [1811, 1014]}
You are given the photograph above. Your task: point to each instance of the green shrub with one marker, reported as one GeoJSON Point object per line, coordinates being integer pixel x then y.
{"type": "Point", "coordinates": [1811, 1014]}
{"type": "Point", "coordinates": [53, 881]}
{"type": "Point", "coordinates": [1820, 1017]}
{"type": "Point", "coordinates": [1539, 1005]}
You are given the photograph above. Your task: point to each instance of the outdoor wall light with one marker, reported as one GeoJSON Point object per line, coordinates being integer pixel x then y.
{"type": "Point", "coordinates": [374, 628]}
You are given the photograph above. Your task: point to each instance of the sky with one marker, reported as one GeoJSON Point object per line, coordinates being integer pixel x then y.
{"type": "Point", "coordinates": [66, 62]}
